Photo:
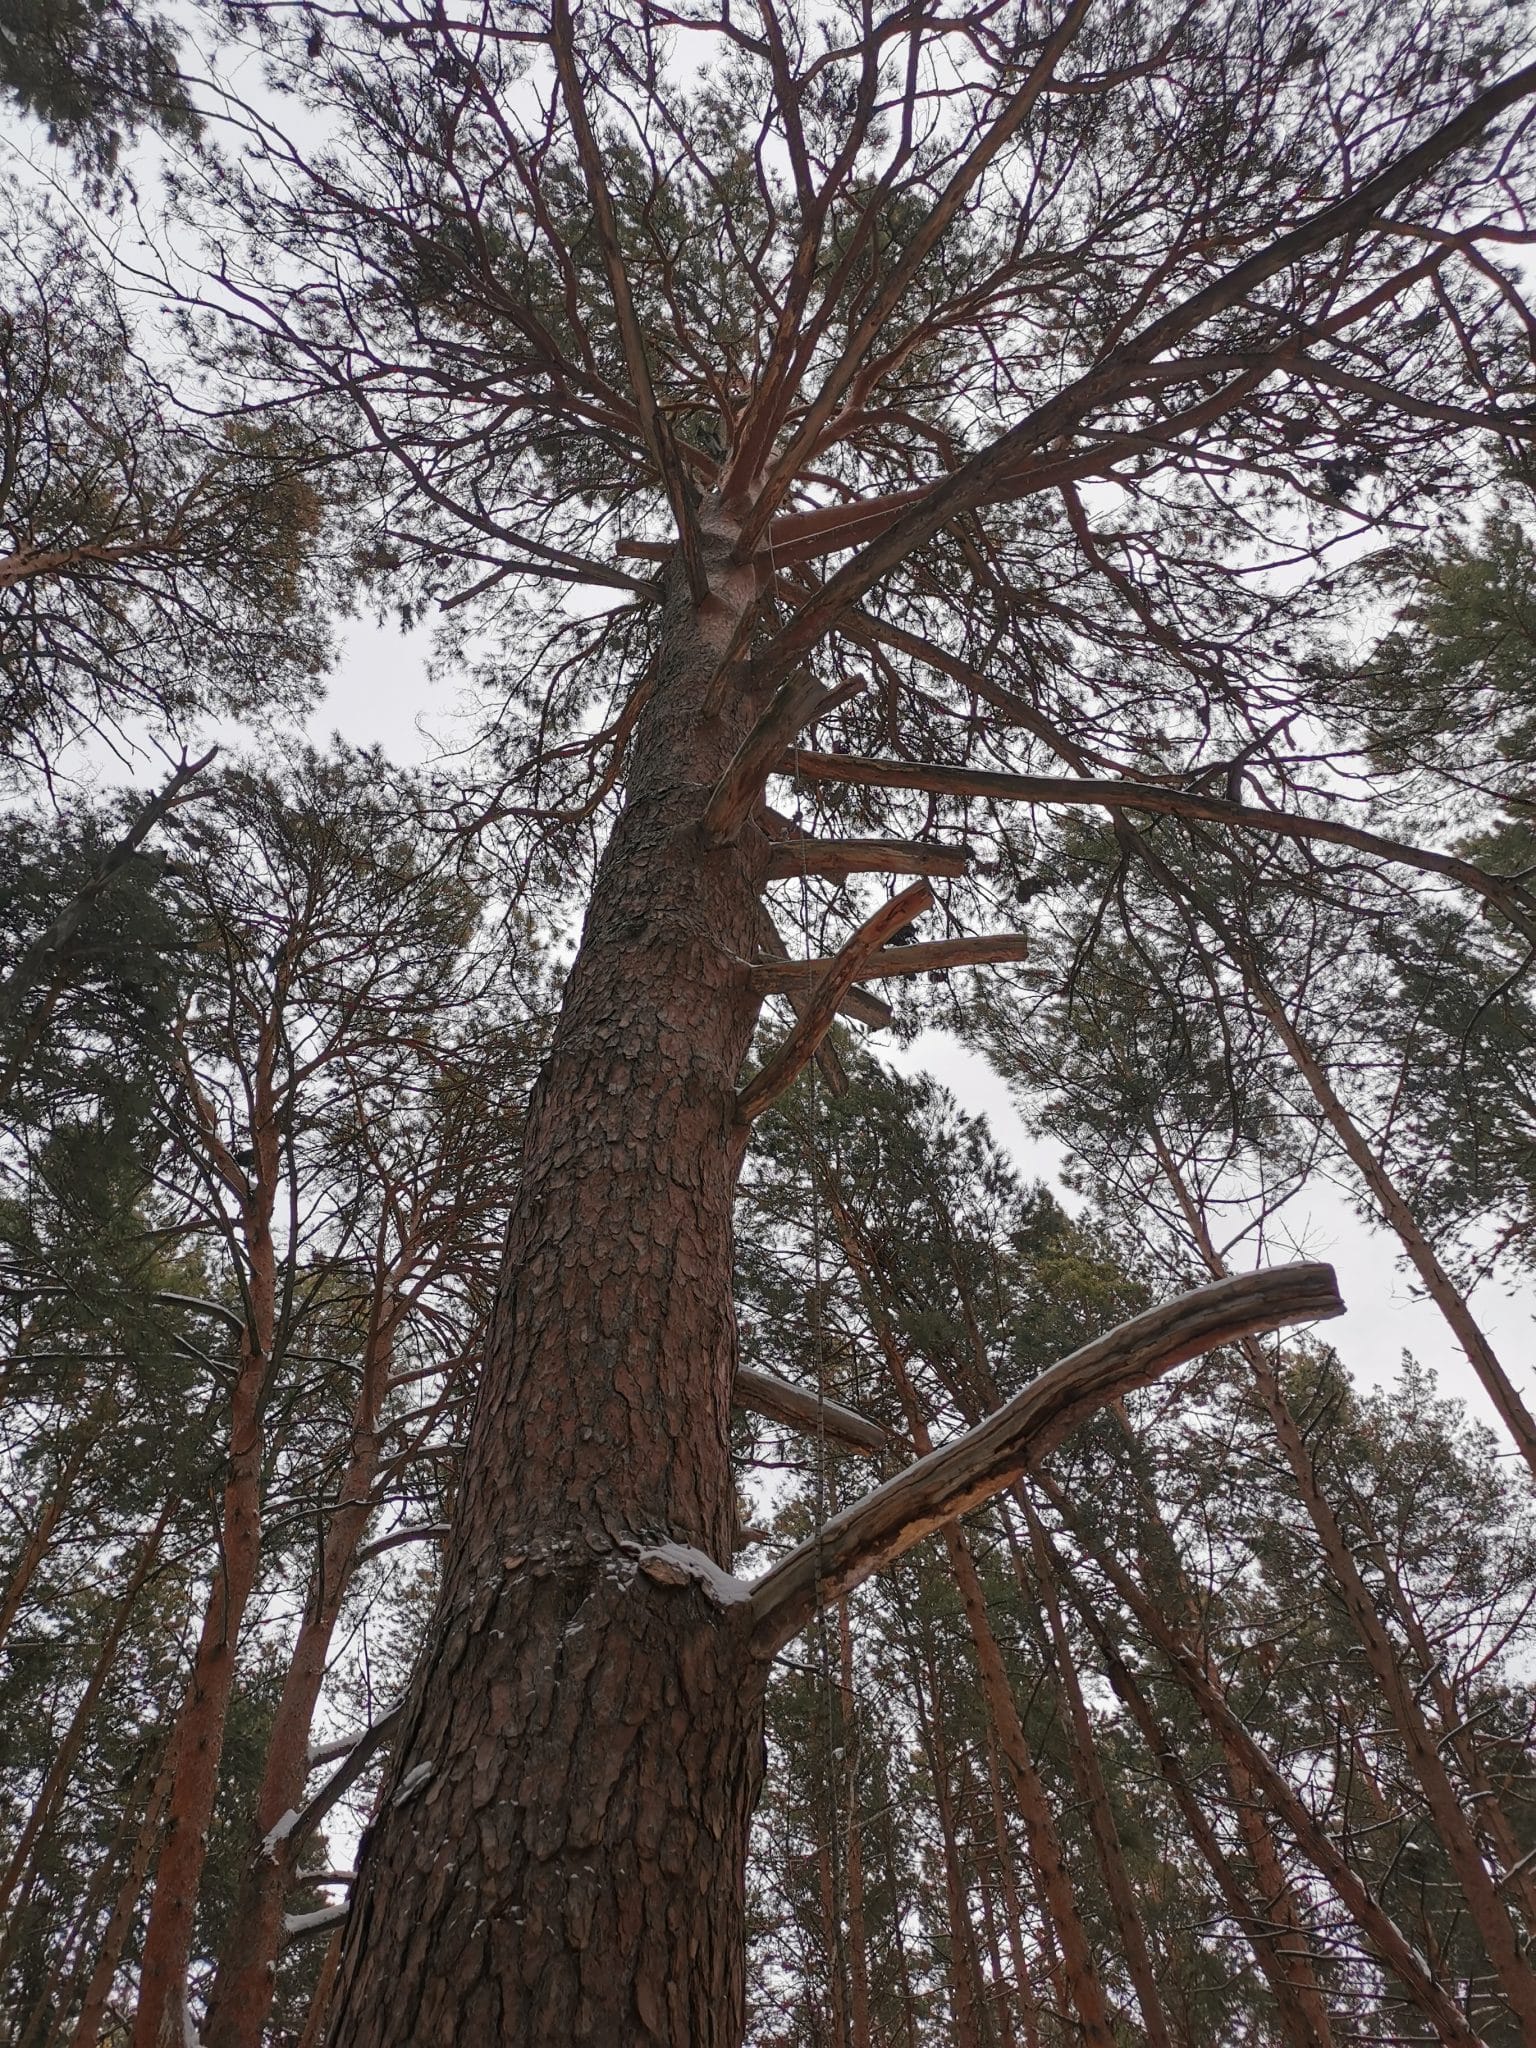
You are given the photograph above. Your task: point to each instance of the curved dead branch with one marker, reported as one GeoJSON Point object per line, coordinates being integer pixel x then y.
{"type": "Point", "coordinates": [876, 1530]}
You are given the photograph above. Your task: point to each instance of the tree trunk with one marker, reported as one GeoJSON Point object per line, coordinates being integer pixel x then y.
{"type": "Point", "coordinates": [1083, 1751]}
{"type": "Point", "coordinates": [1487, 1912]}
{"type": "Point", "coordinates": [70, 1744]}
{"type": "Point", "coordinates": [858, 1943]}
{"type": "Point", "coordinates": [93, 2009]}
{"type": "Point", "coordinates": [1305, 2026]}
{"type": "Point", "coordinates": [1395, 1211]}
{"type": "Point", "coordinates": [35, 1549]}
{"type": "Point", "coordinates": [1052, 1877]}
{"type": "Point", "coordinates": [561, 1853]}
{"type": "Point", "coordinates": [247, 1973]}
{"type": "Point", "coordinates": [160, 2020]}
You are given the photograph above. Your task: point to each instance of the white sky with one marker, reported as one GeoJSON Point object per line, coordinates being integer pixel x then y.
{"type": "Point", "coordinates": [380, 694]}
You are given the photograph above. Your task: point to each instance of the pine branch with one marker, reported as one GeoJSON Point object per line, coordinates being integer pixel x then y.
{"type": "Point", "coordinates": [1507, 896]}
{"type": "Point", "coordinates": [949, 1482]}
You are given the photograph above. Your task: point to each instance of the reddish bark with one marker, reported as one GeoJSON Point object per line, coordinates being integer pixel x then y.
{"type": "Point", "coordinates": [58, 1774]}
{"type": "Point", "coordinates": [35, 1549]}
{"type": "Point", "coordinates": [93, 2009]}
{"type": "Point", "coordinates": [246, 1978]}
{"type": "Point", "coordinates": [561, 1856]}
{"type": "Point", "coordinates": [159, 2021]}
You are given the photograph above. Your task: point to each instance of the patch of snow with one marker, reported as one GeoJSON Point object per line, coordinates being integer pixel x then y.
{"type": "Point", "coordinates": [674, 1563]}
{"type": "Point", "coordinates": [311, 1923]}
{"type": "Point", "coordinates": [190, 2037]}
{"type": "Point", "coordinates": [279, 1832]}
{"type": "Point", "coordinates": [413, 1781]}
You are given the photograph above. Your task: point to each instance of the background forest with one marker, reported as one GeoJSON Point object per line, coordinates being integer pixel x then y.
{"type": "Point", "coordinates": [1215, 747]}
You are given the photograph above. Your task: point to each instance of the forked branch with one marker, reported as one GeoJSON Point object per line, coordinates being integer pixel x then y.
{"type": "Point", "coordinates": [825, 999]}
{"type": "Point", "coordinates": [791, 709]}
{"type": "Point", "coordinates": [949, 1482]}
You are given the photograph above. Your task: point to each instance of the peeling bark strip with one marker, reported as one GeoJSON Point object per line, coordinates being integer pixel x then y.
{"type": "Point", "coordinates": [949, 1482]}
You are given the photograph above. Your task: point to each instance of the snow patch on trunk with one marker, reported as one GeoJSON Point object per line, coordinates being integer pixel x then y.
{"type": "Point", "coordinates": [674, 1564]}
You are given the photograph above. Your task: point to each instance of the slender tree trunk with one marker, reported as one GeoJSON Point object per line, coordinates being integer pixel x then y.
{"type": "Point", "coordinates": [1397, 1213]}
{"type": "Point", "coordinates": [1025, 2002]}
{"type": "Point", "coordinates": [246, 1978]}
{"type": "Point", "coordinates": [561, 1854]}
{"type": "Point", "coordinates": [1516, 1980]}
{"type": "Point", "coordinates": [853, 1860]}
{"type": "Point", "coordinates": [1084, 1988]}
{"type": "Point", "coordinates": [1305, 2021]}
{"type": "Point", "coordinates": [1379, 1929]}
{"type": "Point", "coordinates": [998, 1999]}
{"type": "Point", "coordinates": [898, 1940]}
{"type": "Point", "coordinates": [964, 1977]}
{"type": "Point", "coordinates": [1092, 1785]}
{"type": "Point", "coordinates": [199, 1741]}
{"type": "Point", "coordinates": [35, 1549]}
{"type": "Point", "coordinates": [114, 1937]}
{"type": "Point", "coordinates": [58, 1774]}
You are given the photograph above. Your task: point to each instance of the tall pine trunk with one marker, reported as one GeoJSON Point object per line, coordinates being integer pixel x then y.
{"type": "Point", "coordinates": [561, 1852]}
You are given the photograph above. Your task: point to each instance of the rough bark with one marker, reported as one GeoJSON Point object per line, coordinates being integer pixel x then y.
{"type": "Point", "coordinates": [561, 1852]}
{"type": "Point", "coordinates": [246, 1977]}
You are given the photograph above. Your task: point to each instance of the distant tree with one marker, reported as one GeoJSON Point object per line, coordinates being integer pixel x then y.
{"type": "Point", "coordinates": [93, 72]}
{"type": "Point", "coordinates": [156, 563]}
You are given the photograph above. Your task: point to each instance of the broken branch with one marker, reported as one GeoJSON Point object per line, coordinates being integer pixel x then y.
{"type": "Point", "coordinates": [949, 1482]}
{"type": "Point", "coordinates": [761, 1393]}
{"type": "Point", "coordinates": [815, 1021]}
{"type": "Point", "coordinates": [781, 977]}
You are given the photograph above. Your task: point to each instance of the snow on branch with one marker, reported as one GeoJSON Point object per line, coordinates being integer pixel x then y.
{"type": "Point", "coordinates": [882, 1525]}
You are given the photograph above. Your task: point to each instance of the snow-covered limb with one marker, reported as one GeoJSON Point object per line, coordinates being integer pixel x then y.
{"type": "Point", "coordinates": [883, 1524]}
{"type": "Point", "coordinates": [675, 1563]}
{"type": "Point", "coordinates": [422, 1532]}
{"type": "Point", "coordinates": [358, 1753]}
{"type": "Point", "coordinates": [297, 1925]}
{"type": "Point", "coordinates": [762, 1393]}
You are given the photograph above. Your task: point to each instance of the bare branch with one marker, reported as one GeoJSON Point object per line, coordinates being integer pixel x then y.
{"type": "Point", "coordinates": [815, 1021]}
{"type": "Point", "coordinates": [949, 1482]}
{"type": "Point", "coordinates": [783, 977]}
{"type": "Point", "coordinates": [761, 1393]}
{"type": "Point", "coordinates": [836, 858]}
{"type": "Point", "coordinates": [653, 421]}
{"type": "Point", "coordinates": [1508, 896]}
